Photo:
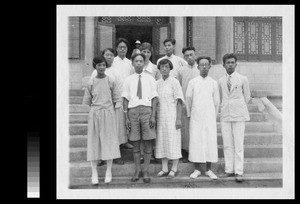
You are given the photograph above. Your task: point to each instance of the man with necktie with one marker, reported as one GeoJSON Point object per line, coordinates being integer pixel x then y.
{"type": "Point", "coordinates": [140, 99]}
{"type": "Point", "coordinates": [234, 94]}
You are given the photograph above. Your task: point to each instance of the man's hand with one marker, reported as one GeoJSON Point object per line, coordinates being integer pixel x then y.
{"type": "Point", "coordinates": [152, 122]}
{"type": "Point", "coordinates": [128, 124]}
{"type": "Point", "coordinates": [178, 124]}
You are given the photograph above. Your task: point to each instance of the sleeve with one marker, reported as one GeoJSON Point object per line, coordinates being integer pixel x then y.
{"type": "Point", "coordinates": [246, 90]}
{"type": "Point", "coordinates": [126, 89]}
{"type": "Point", "coordinates": [116, 90]}
{"type": "Point", "coordinates": [220, 90]}
{"type": "Point", "coordinates": [189, 98]}
{"type": "Point", "coordinates": [216, 97]}
{"type": "Point", "coordinates": [87, 97]}
{"type": "Point", "coordinates": [178, 94]}
{"type": "Point", "coordinates": [153, 86]}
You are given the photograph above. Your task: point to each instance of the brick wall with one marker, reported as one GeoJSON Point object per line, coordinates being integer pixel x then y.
{"type": "Point", "coordinates": [204, 36]}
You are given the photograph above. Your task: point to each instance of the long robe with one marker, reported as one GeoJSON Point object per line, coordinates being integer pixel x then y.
{"type": "Point", "coordinates": [184, 74]}
{"type": "Point", "coordinates": [202, 103]}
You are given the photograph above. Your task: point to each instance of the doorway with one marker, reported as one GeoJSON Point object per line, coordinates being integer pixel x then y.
{"type": "Point", "coordinates": [133, 33]}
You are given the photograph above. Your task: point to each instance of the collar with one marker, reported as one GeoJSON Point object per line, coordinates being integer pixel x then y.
{"type": "Point", "coordinates": [149, 67]}
{"type": "Point", "coordinates": [172, 55]}
{"type": "Point", "coordinates": [194, 66]}
{"type": "Point", "coordinates": [232, 75]}
{"type": "Point", "coordinates": [119, 58]}
{"type": "Point", "coordinates": [137, 75]}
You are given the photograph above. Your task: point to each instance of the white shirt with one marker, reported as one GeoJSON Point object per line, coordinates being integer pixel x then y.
{"type": "Point", "coordinates": [123, 66]}
{"type": "Point", "coordinates": [176, 61]}
{"type": "Point", "coordinates": [149, 90]}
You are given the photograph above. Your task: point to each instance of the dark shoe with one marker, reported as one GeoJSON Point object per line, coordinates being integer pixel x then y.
{"type": "Point", "coordinates": [162, 174]}
{"type": "Point", "coordinates": [146, 177]}
{"type": "Point", "coordinates": [136, 176]}
{"type": "Point", "coordinates": [226, 175]}
{"type": "Point", "coordinates": [185, 160]}
{"type": "Point", "coordinates": [172, 174]}
{"type": "Point", "coordinates": [239, 178]}
{"type": "Point", "coordinates": [119, 161]}
{"type": "Point", "coordinates": [101, 163]}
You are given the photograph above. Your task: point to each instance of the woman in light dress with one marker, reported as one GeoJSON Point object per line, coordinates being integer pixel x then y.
{"type": "Point", "coordinates": [168, 141]}
{"type": "Point", "coordinates": [101, 95]}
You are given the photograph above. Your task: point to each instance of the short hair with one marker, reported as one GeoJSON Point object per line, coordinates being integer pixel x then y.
{"type": "Point", "coordinates": [187, 48]}
{"type": "Point", "coordinates": [203, 57]}
{"type": "Point", "coordinates": [228, 56]}
{"type": "Point", "coordinates": [99, 59]}
{"type": "Point", "coordinates": [122, 40]}
{"type": "Point", "coordinates": [165, 61]}
{"type": "Point", "coordinates": [173, 41]}
{"type": "Point", "coordinates": [137, 54]}
{"type": "Point", "coordinates": [146, 45]}
{"type": "Point", "coordinates": [108, 49]}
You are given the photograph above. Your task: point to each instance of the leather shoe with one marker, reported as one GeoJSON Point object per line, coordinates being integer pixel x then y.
{"type": "Point", "coordinates": [238, 178]}
{"type": "Point", "coordinates": [136, 176]}
{"type": "Point", "coordinates": [226, 175]}
{"type": "Point", "coordinates": [146, 177]}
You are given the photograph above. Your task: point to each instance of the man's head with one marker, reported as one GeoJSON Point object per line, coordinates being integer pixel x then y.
{"type": "Point", "coordinates": [169, 45]}
{"type": "Point", "coordinates": [189, 55]}
{"type": "Point", "coordinates": [137, 44]}
{"type": "Point", "coordinates": [204, 64]}
{"type": "Point", "coordinates": [138, 61]}
{"type": "Point", "coordinates": [122, 47]}
{"type": "Point", "coordinates": [229, 62]}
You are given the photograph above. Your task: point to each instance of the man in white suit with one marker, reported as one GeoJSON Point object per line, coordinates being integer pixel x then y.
{"type": "Point", "coordinates": [234, 94]}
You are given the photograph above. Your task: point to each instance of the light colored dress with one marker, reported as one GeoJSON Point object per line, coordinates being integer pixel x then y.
{"type": "Point", "coordinates": [184, 75]}
{"type": "Point", "coordinates": [102, 140]}
{"type": "Point", "coordinates": [168, 141]}
{"type": "Point", "coordinates": [202, 103]}
{"type": "Point", "coordinates": [121, 128]}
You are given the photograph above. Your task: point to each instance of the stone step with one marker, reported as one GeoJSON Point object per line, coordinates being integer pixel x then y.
{"type": "Point", "coordinates": [80, 108]}
{"type": "Point", "coordinates": [251, 165]}
{"type": "Point", "coordinates": [75, 99]}
{"type": "Point", "coordinates": [253, 180]}
{"type": "Point", "coordinates": [77, 154]}
{"type": "Point", "coordinates": [76, 92]}
{"type": "Point", "coordinates": [255, 127]}
{"type": "Point", "coordinates": [83, 117]}
{"type": "Point", "coordinates": [250, 139]}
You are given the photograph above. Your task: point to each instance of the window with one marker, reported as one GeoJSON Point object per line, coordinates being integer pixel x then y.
{"type": "Point", "coordinates": [258, 38]}
{"type": "Point", "coordinates": [76, 37]}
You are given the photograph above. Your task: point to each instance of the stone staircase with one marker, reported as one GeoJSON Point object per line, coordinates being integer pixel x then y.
{"type": "Point", "coordinates": [263, 157]}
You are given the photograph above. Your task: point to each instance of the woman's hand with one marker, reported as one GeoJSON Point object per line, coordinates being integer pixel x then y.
{"type": "Point", "coordinates": [128, 124]}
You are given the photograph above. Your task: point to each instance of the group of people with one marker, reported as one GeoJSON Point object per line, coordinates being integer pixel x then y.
{"type": "Point", "coordinates": [168, 107]}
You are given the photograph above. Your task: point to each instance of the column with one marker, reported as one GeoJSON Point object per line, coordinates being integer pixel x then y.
{"type": "Point", "coordinates": [179, 35]}
{"type": "Point", "coordinates": [88, 46]}
{"type": "Point", "coordinates": [224, 37]}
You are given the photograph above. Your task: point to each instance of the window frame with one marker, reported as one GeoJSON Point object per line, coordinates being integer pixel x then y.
{"type": "Point", "coordinates": [258, 57]}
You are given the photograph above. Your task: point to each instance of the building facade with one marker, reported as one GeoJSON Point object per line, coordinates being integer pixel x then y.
{"type": "Point", "coordinates": [257, 42]}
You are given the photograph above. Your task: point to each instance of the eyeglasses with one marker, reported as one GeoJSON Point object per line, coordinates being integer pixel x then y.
{"type": "Point", "coordinates": [122, 47]}
{"type": "Point", "coordinates": [202, 65]}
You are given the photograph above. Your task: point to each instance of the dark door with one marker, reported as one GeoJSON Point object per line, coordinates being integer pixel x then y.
{"type": "Point", "coordinates": [133, 33]}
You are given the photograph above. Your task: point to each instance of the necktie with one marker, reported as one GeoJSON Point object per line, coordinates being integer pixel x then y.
{"type": "Point", "coordinates": [229, 84]}
{"type": "Point", "coordinates": [139, 89]}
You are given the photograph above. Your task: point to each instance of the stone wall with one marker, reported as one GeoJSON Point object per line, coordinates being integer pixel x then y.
{"type": "Point", "coordinates": [262, 76]}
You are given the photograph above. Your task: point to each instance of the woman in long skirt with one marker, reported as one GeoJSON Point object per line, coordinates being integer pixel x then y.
{"type": "Point", "coordinates": [102, 142]}
{"type": "Point", "coordinates": [168, 141]}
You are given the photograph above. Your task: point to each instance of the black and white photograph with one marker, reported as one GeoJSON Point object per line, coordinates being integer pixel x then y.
{"type": "Point", "coordinates": [175, 101]}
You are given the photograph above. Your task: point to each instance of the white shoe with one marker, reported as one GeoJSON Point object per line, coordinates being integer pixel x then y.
{"type": "Point", "coordinates": [95, 179]}
{"type": "Point", "coordinates": [108, 178]}
{"type": "Point", "coordinates": [195, 174]}
{"type": "Point", "coordinates": [211, 175]}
